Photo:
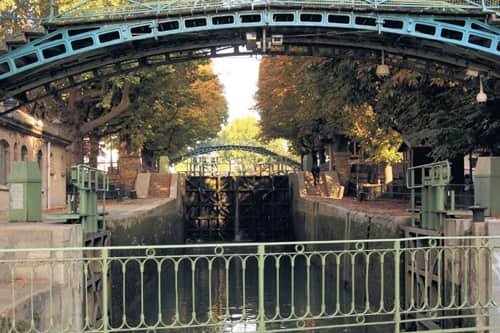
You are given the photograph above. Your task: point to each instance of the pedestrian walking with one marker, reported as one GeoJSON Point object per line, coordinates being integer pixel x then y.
{"type": "Point", "coordinates": [315, 172]}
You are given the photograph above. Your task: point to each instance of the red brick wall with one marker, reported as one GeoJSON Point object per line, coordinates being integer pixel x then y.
{"type": "Point", "coordinates": [128, 167]}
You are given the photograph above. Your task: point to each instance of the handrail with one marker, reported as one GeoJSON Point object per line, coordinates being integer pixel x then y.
{"type": "Point", "coordinates": [433, 239]}
{"type": "Point", "coordinates": [60, 10]}
{"type": "Point", "coordinates": [275, 287]}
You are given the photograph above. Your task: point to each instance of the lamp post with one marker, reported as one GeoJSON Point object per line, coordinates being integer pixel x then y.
{"type": "Point", "coordinates": [382, 70]}
{"type": "Point", "coordinates": [481, 96]}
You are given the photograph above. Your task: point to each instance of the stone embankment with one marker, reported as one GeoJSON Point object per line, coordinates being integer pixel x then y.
{"type": "Point", "coordinates": [321, 216]}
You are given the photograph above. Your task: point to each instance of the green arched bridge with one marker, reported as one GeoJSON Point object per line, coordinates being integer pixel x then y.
{"type": "Point", "coordinates": [252, 149]}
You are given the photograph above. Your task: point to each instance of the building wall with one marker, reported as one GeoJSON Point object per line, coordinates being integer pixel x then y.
{"type": "Point", "coordinates": [53, 167]}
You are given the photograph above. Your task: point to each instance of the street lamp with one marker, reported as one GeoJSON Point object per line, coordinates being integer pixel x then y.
{"type": "Point", "coordinates": [481, 96]}
{"type": "Point", "coordinates": [382, 69]}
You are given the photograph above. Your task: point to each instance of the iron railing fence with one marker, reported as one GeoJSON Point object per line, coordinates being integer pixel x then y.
{"type": "Point", "coordinates": [458, 196]}
{"type": "Point", "coordinates": [384, 285]}
{"type": "Point", "coordinates": [63, 10]}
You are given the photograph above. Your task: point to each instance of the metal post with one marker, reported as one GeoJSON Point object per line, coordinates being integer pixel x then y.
{"type": "Point", "coordinates": [236, 211]}
{"type": "Point", "coordinates": [264, 40]}
{"type": "Point", "coordinates": [51, 13]}
{"type": "Point", "coordinates": [439, 208]}
{"type": "Point", "coordinates": [412, 199]}
{"type": "Point", "coordinates": [105, 189]}
{"type": "Point", "coordinates": [397, 306]}
{"type": "Point", "coordinates": [105, 319]}
{"type": "Point", "coordinates": [452, 200]}
{"type": "Point", "coordinates": [83, 209]}
{"type": "Point", "coordinates": [261, 251]}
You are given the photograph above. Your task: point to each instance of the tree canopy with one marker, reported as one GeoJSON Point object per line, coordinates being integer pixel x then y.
{"type": "Point", "coordinates": [160, 110]}
{"type": "Point", "coordinates": [299, 98]}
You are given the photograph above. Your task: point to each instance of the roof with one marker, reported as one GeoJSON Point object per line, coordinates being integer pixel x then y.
{"type": "Point", "coordinates": [24, 123]}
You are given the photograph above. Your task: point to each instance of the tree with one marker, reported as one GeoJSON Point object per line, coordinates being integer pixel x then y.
{"type": "Point", "coordinates": [440, 113]}
{"type": "Point", "coordinates": [346, 97]}
{"type": "Point", "coordinates": [303, 98]}
{"type": "Point", "coordinates": [159, 111]}
{"type": "Point", "coordinates": [190, 108]}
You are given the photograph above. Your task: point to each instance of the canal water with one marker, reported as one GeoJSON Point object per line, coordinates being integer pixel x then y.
{"type": "Point", "coordinates": [224, 296]}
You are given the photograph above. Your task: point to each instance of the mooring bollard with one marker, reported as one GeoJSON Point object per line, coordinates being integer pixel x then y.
{"type": "Point", "coordinates": [478, 213]}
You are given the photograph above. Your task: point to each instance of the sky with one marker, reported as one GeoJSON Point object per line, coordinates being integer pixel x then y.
{"type": "Point", "coordinates": [239, 76]}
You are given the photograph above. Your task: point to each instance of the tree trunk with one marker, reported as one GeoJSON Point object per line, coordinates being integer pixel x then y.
{"type": "Point", "coordinates": [115, 111]}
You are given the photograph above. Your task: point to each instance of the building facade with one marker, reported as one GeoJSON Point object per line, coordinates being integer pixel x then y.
{"type": "Point", "coordinates": [23, 137]}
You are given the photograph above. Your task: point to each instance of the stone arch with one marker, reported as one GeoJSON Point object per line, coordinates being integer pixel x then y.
{"type": "Point", "coordinates": [24, 153]}
{"type": "Point", "coordinates": [4, 162]}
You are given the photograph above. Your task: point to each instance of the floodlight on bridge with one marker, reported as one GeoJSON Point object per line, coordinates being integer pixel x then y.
{"type": "Point", "coordinates": [277, 40]}
{"type": "Point", "coordinates": [471, 73]}
{"type": "Point", "coordinates": [251, 38]}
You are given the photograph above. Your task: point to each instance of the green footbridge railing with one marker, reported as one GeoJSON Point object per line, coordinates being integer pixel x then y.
{"type": "Point", "coordinates": [64, 10]}
{"type": "Point", "coordinates": [415, 284]}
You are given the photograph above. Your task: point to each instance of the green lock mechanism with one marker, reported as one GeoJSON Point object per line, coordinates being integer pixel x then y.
{"type": "Point", "coordinates": [84, 185]}
{"type": "Point", "coordinates": [25, 192]}
{"type": "Point", "coordinates": [432, 180]}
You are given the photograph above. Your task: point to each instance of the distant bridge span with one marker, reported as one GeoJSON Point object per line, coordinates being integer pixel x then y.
{"type": "Point", "coordinates": [251, 149]}
{"type": "Point", "coordinates": [87, 39]}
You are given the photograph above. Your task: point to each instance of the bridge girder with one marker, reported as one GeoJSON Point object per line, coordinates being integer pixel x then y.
{"type": "Point", "coordinates": [68, 51]}
{"type": "Point", "coordinates": [88, 73]}
{"type": "Point", "coordinates": [252, 149]}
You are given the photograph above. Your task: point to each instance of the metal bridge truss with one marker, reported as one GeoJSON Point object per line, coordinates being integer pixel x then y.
{"type": "Point", "coordinates": [67, 51]}
{"type": "Point", "coordinates": [251, 149]}
{"type": "Point", "coordinates": [45, 86]}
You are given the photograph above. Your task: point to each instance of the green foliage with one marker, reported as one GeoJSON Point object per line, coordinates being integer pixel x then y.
{"type": "Point", "coordinates": [305, 97]}
{"type": "Point", "coordinates": [174, 107]}
{"type": "Point", "coordinates": [301, 98]}
{"type": "Point", "coordinates": [439, 113]}
{"type": "Point", "coordinates": [160, 110]}
{"type": "Point", "coordinates": [247, 132]}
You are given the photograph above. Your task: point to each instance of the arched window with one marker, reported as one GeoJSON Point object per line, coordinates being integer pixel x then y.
{"type": "Point", "coordinates": [39, 157]}
{"type": "Point", "coordinates": [14, 153]}
{"type": "Point", "coordinates": [4, 160]}
{"type": "Point", "coordinates": [24, 153]}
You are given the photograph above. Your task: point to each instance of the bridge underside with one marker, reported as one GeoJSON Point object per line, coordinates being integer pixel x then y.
{"type": "Point", "coordinates": [58, 60]}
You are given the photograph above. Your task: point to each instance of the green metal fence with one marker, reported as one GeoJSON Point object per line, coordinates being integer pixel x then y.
{"type": "Point", "coordinates": [439, 285]}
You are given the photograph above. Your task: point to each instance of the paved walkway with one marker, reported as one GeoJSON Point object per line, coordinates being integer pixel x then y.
{"type": "Point", "coordinates": [121, 209]}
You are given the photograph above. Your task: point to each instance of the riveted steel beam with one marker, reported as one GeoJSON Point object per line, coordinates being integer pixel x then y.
{"type": "Point", "coordinates": [67, 43]}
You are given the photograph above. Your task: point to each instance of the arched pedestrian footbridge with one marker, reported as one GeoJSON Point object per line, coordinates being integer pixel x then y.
{"type": "Point", "coordinates": [252, 149]}
{"type": "Point", "coordinates": [88, 42]}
